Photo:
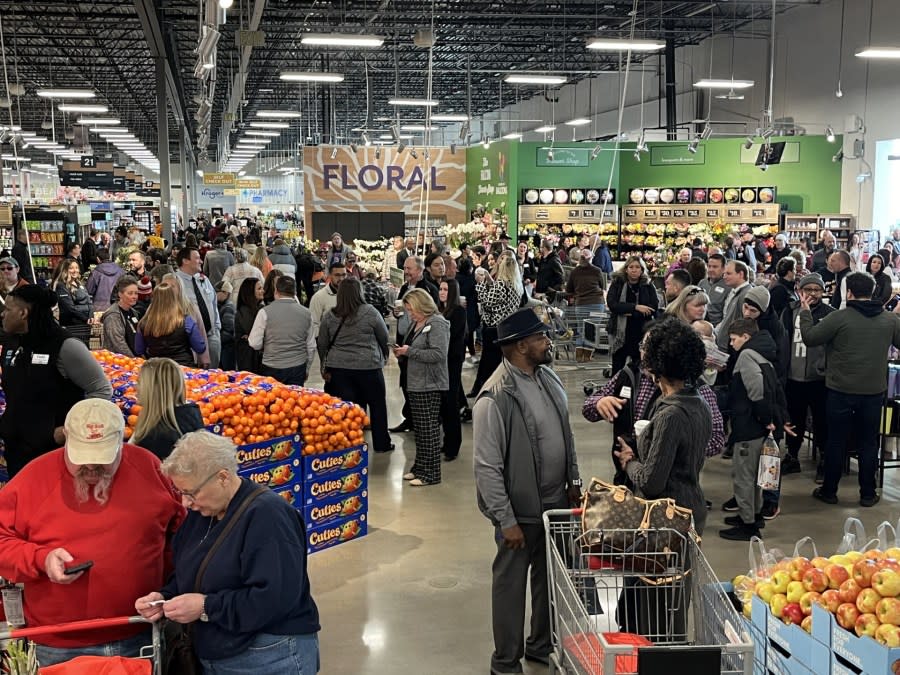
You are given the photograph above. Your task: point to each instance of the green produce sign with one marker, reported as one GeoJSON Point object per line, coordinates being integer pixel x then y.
{"type": "Point", "coordinates": [564, 157]}
{"type": "Point", "coordinates": [676, 155]}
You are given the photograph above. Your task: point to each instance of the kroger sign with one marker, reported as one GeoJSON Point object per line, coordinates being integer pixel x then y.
{"type": "Point", "coordinates": [372, 177]}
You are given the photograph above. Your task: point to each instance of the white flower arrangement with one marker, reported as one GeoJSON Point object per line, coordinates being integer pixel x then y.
{"type": "Point", "coordinates": [473, 232]}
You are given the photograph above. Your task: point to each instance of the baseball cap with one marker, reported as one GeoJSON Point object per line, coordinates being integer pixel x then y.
{"type": "Point", "coordinates": [9, 260]}
{"type": "Point", "coordinates": [94, 432]}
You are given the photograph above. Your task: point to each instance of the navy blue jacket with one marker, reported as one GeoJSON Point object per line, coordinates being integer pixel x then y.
{"type": "Point", "coordinates": [255, 583]}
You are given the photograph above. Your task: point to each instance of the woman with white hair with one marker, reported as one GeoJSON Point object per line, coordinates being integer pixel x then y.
{"type": "Point", "coordinates": [242, 269]}
{"type": "Point", "coordinates": [240, 578]}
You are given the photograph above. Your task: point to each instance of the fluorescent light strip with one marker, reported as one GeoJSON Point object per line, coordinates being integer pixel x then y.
{"type": "Point", "coordinates": [512, 136]}
{"type": "Point", "coordinates": [607, 45]}
{"type": "Point", "coordinates": [415, 127]}
{"type": "Point", "coordinates": [421, 102]}
{"type": "Point", "coordinates": [449, 118]}
{"type": "Point", "coordinates": [578, 122]}
{"type": "Point", "coordinates": [879, 53]}
{"type": "Point", "coordinates": [88, 108]}
{"type": "Point", "coordinates": [110, 130]}
{"type": "Point", "coordinates": [546, 129]}
{"type": "Point", "coordinates": [254, 132]}
{"type": "Point", "coordinates": [712, 83]}
{"type": "Point", "coordinates": [284, 114]}
{"type": "Point", "coordinates": [65, 93]}
{"type": "Point", "coordinates": [534, 78]}
{"type": "Point", "coordinates": [98, 120]}
{"type": "Point", "coordinates": [341, 40]}
{"type": "Point", "coordinates": [270, 125]}
{"type": "Point", "coordinates": [309, 76]}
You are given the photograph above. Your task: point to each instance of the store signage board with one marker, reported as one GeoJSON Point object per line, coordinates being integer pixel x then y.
{"type": "Point", "coordinates": [558, 214]}
{"type": "Point", "coordinates": [231, 192]}
{"type": "Point", "coordinates": [665, 213]}
{"type": "Point", "coordinates": [218, 179]}
{"type": "Point", "coordinates": [564, 157]}
{"type": "Point", "coordinates": [248, 184]}
{"type": "Point", "coordinates": [676, 155]}
{"type": "Point", "coordinates": [88, 162]}
{"type": "Point", "coordinates": [712, 213]}
{"type": "Point", "coordinates": [678, 213]}
{"type": "Point", "coordinates": [589, 213]}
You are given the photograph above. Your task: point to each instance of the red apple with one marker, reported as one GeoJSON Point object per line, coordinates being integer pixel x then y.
{"type": "Point", "coordinates": [807, 600]}
{"type": "Point", "coordinates": [866, 624]}
{"type": "Point", "coordinates": [889, 564]}
{"type": "Point", "coordinates": [830, 600]}
{"type": "Point", "coordinates": [888, 611]}
{"type": "Point", "coordinates": [798, 567]}
{"type": "Point", "coordinates": [792, 613]}
{"type": "Point", "coordinates": [806, 624]}
{"type": "Point", "coordinates": [837, 574]}
{"type": "Point", "coordinates": [794, 591]}
{"type": "Point", "coordinates": [847, 614]}
{"type": "Point", "coordinates": [815, 580]}
{"type": "Point", "coordinates": [863, 571]}
{"type": "Point", "coordinates": [887, 583]}
{"type": "Point", "coordinates": [867, 600]}
{"type": "Point", "coordinates": [873, 554]}
{"type": "Point", "coordinates": [888, 635]}
{"type": "Point", "coordinates": [849, 590]}
{"type": "Point", "coordinates": [779, 600]}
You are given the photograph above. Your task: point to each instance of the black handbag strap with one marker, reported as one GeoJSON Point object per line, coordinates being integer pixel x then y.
{"type": "Point", "coordinates": [229, 526]}
{"type": "Point", "coordinates": [334, 338]}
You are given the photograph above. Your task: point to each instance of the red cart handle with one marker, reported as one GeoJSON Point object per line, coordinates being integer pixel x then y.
{"type": "Point", "coordinates": [88, 624]}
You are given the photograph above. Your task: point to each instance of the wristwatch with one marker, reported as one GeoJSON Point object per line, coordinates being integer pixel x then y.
{"type": "Point", "coordinates": [204, 617]}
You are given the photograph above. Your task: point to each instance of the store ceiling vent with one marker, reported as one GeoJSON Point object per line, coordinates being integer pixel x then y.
{"type": "Point", "coordinates": [424, 38]}
{"type": "Point", "coordinates": [251, 38]}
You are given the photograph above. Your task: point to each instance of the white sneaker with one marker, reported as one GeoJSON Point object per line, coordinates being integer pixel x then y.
{"type": "Point", "coordinates": [409, 476]}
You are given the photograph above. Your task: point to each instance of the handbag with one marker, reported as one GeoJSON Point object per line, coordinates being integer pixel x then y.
{"type": "Point", "coordinates": [178, 655]}
{"type": "Point", "coordinates": [641, 536]}
{"type": "Point", "coordinates": [326, 375]}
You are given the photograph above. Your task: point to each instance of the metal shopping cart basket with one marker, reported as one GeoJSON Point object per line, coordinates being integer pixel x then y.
{"type": "Point", "coordinates": [148, 662]}
{"type": "Point", "coordinates": [610, 610]}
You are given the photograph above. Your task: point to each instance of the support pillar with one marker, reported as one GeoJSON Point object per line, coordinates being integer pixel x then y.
{"type": "Point", "coordinates": [671, 108]}
{"type": "Point", "coordinates": [162, 130]}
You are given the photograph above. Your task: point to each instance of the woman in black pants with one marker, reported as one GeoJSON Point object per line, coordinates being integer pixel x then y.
{"type": "Point", "coordinates": [353, 346]}
{"type": "Point", "coordinates": [498, 298]}
{"type": "Point", "coordinates": [449, 306]}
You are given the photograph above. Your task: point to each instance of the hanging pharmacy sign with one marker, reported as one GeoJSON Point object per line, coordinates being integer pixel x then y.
{"type": "Point", "coordinates": [338, 179]}
{"type": "Point", "coordinates": [218, 179]}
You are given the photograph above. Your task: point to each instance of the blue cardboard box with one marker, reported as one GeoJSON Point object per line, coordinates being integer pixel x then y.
{"type": "Point", "coordinates": [863, 654]}
{"type": "Point", "coordinates": [292, 493]}
{"type": "Point", "coordinates": [332, 510]}
{"type": "Point", "coordinates": [272, 452]}
{"type": "Point", "coordinates": [319, 490]}
{"type": "Point", "coordinates": [791, 644]}
{"type": "Point", "coordinates": [335, 463]}
{"type": "Point", "coordinates": [281, 475]}
{"type": "Point", "coordinates": [327, 536]}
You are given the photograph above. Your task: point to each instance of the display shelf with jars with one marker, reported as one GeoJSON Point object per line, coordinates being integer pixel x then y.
{"type": "Point", "coordinates": [800, 226]}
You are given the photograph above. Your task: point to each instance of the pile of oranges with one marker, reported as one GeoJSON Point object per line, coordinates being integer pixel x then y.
{"type": "Point", "coordinates": [248, 408]}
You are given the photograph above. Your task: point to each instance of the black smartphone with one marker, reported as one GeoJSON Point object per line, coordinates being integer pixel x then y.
{"type": "Point", "coordinates": [80, 567]}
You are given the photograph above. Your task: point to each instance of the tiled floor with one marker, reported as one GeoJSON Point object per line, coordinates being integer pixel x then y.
{"type": "Point", "coordinates": [414, 595]}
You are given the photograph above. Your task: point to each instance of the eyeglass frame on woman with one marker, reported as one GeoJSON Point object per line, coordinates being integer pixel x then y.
{"type": "Point", "coordinates": [192, 494]}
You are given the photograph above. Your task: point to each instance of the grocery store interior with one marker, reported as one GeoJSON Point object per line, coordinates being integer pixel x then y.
{"type": "Point", "coordinates": [645, 122]}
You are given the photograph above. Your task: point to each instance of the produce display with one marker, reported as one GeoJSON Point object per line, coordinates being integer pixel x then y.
{"type": "Point", "coordinates": [861, 590]}
{"type": "Point", "coordinates": [249, 408]}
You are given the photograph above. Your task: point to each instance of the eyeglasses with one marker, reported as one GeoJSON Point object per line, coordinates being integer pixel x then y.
{"type": "Point", "coordinates": [7, 269]}
{"type": "Point", "coordinates": [694, 291]}
{"type": "Point", "coordinates": [192, 495]}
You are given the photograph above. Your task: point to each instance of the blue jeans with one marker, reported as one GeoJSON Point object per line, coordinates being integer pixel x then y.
{"type": "Point", "coordinates": [129, 648]}
{"type": "Point", "coordinates": [295, 375]}
{"type": "Point", "coordinates": [862, 414]}
{"type": "Point", "coordinates": [272, 655]}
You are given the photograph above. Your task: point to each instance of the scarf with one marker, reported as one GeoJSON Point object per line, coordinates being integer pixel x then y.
{"type": "Point", "coordinates": [621, 321]}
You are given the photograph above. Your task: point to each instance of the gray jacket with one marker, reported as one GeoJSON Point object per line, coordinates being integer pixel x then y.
{"type": "Point", "coordinates": [507, 457]}
{"type": "Point", "coordinates": [361, 344]}
{"type": "Point", "coordinates": [717, 292]}
{"type": "Point", "coordinates": [282, 260]}
{"type": "Point", "coordinates": [735, 311]}
{"type": "Point", "coordinates": [426, 368]}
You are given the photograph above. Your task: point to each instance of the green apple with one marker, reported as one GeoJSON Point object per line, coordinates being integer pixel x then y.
{"type": "Point", "coordinates": [795, 591]}
{"type": "Point", "coordinates": [777, 604]}
{"type": "Point", "coordinates": [765, 591]}
{"type": "Point", "coordinates": [780, 580]}
{"type": "Point", "coordinates": [888, 635]}
{"type": "Point", "coordinates": [887, 583]}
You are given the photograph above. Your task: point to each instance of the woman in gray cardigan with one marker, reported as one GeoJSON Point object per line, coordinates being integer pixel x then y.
{"type": "Point", "coordinates": [425, 349]}
{"type": "Point", "coordinates": [353, 346]}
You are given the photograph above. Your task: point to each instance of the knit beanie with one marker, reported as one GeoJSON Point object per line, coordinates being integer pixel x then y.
{"type": "Point", "coordinates": [758, 297]}
{"type": "Point", "coordinates": [145, 288]}
{"type": "Point", "coordinates": [810, 280]}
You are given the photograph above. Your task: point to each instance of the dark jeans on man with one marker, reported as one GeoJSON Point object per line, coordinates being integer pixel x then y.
{"type": "Point", "coordinates": [800, 396]}
{"type": "Point", "coordinates": [491, 357]}
{"type": "Point", "coordinates": [364, 388]}
{"type": "Point", "coordinates": [860, 413]}
{"type": "Point", "coordinates": [450, 408]}
{"type": "Point", "coordinates": [295, 375]}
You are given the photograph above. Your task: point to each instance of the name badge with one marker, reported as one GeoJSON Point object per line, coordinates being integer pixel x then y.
{"type": "Point", "coordinates": [625, 392]}
{"type": "Point", "coordinates": [719, 289]}
{"type": "Point", "coordinates": [40, 359]}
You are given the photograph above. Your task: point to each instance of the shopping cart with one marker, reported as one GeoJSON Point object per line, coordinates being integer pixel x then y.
{"type": "Point", "coordinates": [610, 609]}
{"type": "Point", "coordinates": [150, 653]}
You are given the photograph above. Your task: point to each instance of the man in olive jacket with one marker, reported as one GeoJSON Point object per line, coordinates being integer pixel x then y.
{"type": "Point", "coordinates": [856, 341]}
{"type": "Point", "coordinates": [525, 464]}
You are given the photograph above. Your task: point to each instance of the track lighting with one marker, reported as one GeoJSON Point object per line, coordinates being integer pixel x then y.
{"type": "Point", "coordinates": [596, 151]}
{"type": "Point", "coordinates": [377, 153]}
{"type": "Point", "coordinates": [426, 154]}
{"type": "Point", "coordinates": [395, 132]}
{"type": "Point", "coordinates": [641, 145]}
{"type": "Point", "coordinates": [550, 154]}
{"type": "Point", "coordinates": [706, 133]}
{"type": "Point", "coordinates": [637, 156]}
{"type": "Point", "coordinates": [453, 148]}
{"type": "Point", "coordinates": [365, 138]}
{"type": "Point", "coordinates": [334, 152]}
{"type": "Point", "coordinates": [692, 146]}
{"type": "Point", "coordinates": [401, 147]}
{"type": "Point", "coordinates": [463, 131]}
{"type": "Point", "coordinates": [763, 167]}
{"type": "Point", "coordinates": [838, 156]}
{"type": "Point", "coordinates": [829, 134]}
{"type": "Point", "coordinates": [414, 154]}
{"type": "Point", "coordinates": [353, 147]}
{"type": "Point", "coordinates": [748, 143]}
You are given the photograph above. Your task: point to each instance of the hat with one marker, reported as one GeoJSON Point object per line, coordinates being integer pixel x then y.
{"type": "Point", "coordinates": [94, 432]}
{"type": "Point", "coordinates": [145, 288]}
{"type": "Point", "coordinates": [813, 279]}
{"type": "Point", "coordinates": [504, 237]}
{"type": "Point", "coordinates": [520, 325]}
{"type": "Point", "coordinates": [10, 261]}
{"type": "Point", "coordinates": [758, 297]}
{"type": "Point", "coordinates": [224, 287]}
{"type": "Point", "coordinates": [336, 234]}
{"type": "Point", "coordinates": [782, 236]}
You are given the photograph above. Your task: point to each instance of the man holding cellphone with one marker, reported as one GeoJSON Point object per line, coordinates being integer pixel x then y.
{"type": "Point", "coordinates": [87, 528]}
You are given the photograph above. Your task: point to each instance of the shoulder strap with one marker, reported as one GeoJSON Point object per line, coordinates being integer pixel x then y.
{"type": "Point", "coordinates": [224, 533]}
{"type": "Point", "coordinates": [335, 336]}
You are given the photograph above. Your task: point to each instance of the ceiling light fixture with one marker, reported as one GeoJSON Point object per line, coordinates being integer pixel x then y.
{"type": "Point", "coordinates": [269, 134]}
{"type": "Point", "coordinates": [596, 151]}
{"type": "Point", "coordinates": [713, 83]}
{"type": "Point", "coordinates": [612, 45]}
{"type": "Point", "coordinates": [225, 4]}
{"type": "Point", "coordinates": [879, 53]}
{"type": "Point", "coordinates": [415, 127]}
{"type": "Point", "coordinates": [65, 93]}
{"type": "Point", "coordinates": [420, 102]}
{"type": "Point", "coordinates": [535, 78]}
{"type": "Point", "coordinates": [353, 147]}
{"type": "Point", "coordinates": [283, 114]}
{"type": "Point", "coordinates": [578, 122]}
{"type": "Point", "coordinates": [748, 143]}
{"type": "Point", "coordinates": [98, 120]}
{"type": "Point", "coordinates": [838, 156]}
{"type": "Point", "coordinates": [309, 76]}
{"type": "Point", "coordinates": [485, 142]}
{"type": "Point", "coordinates": [449, 118]}
{"type": "Point", "coordinates": [512, 136]}
{"type": "Point", "coordinates": [414, 154]}
{"type": "Point", "coordinates": [546, 129]}
{"type": "Point", "coordinates": [334, 152]}
{"type": "Point", "coordinates": [341, 40]}
{"type": "Point", "coordinates": [829, 134]}
{"type": "Point", "coordinates": [88, 108]}
{"type": "Point", "coordinates": [270, 125]}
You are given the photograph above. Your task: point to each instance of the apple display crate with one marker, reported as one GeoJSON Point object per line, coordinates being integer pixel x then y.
{"type": "Point", "coordinates": [596, 597]}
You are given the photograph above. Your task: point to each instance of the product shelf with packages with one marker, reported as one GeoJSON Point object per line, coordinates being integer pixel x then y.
{"type": "Point", "coordinates": [635, 607]}
{"type": "Point", "coordinates": [305, 445]}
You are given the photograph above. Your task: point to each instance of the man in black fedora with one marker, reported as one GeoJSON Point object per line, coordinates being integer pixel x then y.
{"type": "Point", "coordinates": [525, 464]}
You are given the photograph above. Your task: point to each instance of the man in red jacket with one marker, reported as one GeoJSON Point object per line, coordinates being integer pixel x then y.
{"type": "Point", "coordinates": [99, 500]}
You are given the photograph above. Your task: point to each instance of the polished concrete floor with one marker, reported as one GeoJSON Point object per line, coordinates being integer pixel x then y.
{"type": "Point", "coordinates": [414, 595]}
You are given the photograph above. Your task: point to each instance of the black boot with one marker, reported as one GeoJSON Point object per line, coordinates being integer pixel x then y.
{"type": "Point", "coordinates": [742, 532]}
{"type": "Point", "coordinates": [734, 521]}
{"type": "Point", "coordinates": [790, 464]}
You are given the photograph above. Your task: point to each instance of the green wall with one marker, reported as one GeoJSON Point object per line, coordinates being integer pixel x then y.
{"type": "Point", "coordinates": [491, 175]}
{"type": "Point", "coordinates": [812, 185]}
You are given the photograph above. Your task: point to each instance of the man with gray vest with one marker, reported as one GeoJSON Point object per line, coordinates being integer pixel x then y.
{"type": "Point", "coordinates": [281, 331]}
{"type": "Point", "coordinates": [715, 287]}
{"type": "Point", "coordinates": [525, 464]}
